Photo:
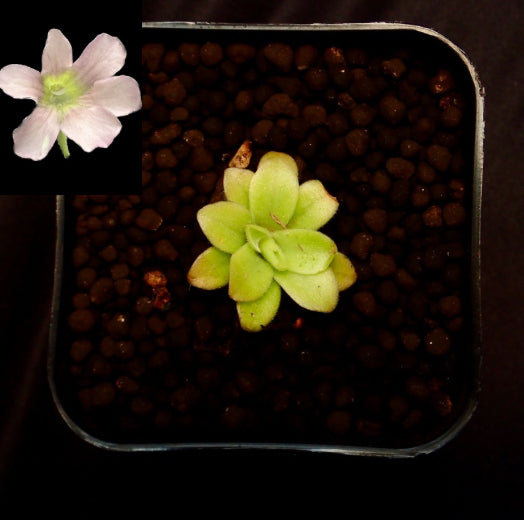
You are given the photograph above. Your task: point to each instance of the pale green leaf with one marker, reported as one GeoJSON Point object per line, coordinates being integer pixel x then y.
{"type": "Point", "coordinates": [344, 271]}
{"type": "Point", "coordinates": [272, 252]}
{"type": "Point", "coordinates": [236, 185]}
{"type": "Point", "coordinates": [224, 224]}
{"type": "Point", "coordinates": [273, 191]}
{"type": "Point", "coordinates": [315, 206]}
{"type": "Point", "coordinates": [210, 270]}
{"type": "Point", "coordinates": [255, 234]}
{"type": "Point", "coordinates": [315, 292]}
{"type": "Point", "coordinates": [306, 251]}
{"type": "Point", "coordinates": [249, 275]}
{"type": "Point", "coordinates": [255, 315]}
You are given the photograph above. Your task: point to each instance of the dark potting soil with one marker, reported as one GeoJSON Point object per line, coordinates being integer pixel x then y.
{"type": "Point", "coordinates": [144, 357]}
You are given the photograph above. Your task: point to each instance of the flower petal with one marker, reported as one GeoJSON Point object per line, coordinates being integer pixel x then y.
{"type": "Point", "coordinates": [58, 53]}
{"type": "Point", "coordinates": [91, 127]}
{"type": "Point", "coordinates": [36, 135]}
{"type": "Point", "coordinates": [101, 59]}
{"type": "Point", "coordinates": [21, 82]}
{"type": "Point", "coordinates": [120, 95]}
{"type": "Point", "coordinates": [255, 315]}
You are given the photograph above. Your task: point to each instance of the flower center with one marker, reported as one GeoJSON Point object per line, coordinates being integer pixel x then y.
{"type": "Point", "coordinates": [61, 91]}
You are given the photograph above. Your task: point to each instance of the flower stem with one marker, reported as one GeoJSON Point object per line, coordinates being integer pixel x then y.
{"type": "Point", "coordinates": [62, 142]}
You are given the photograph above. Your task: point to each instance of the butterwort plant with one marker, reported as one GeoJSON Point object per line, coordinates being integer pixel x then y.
{"type": "Point", "coordinates": [265, 238]}
{"type": "Point", "coordinates": [80, 100]}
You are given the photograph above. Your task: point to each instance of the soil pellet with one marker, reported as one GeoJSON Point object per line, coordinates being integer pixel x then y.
{"type": "Point", "coordinates": [432, 216]}
{"type": "Point", "coordinates": [365, 303]}
{"type": "Point", "coordinates": [420, 196]}
{"type": "Point", "coordinates": [164, 250]}
{"type": "Point", "coordinates": [101, 291]}
{"type": "Point", "coordinates": [103, 394]}
{"type": "Point", "coordinates": [152, 54]}
{"type": "Point", "coordinates": [240, 53]}
{"type": "Point", "coordinates": [376, 220]}
{"type": "Point", "coordinates": [173, 93]}
{"type": "Point", "coordinates": [442, 82]}
{"type": "Point", "coordinates": [400, 168]}
{"type": "Point", "coordinates": [305, 56]}
{"type": "Point", "coordinates": [454, 214]}
{"type": "Point", "coordinates": [81, 301]}
{"type": "Point", "coordinates": [398, 408]}
{"type": "Point", "coordinates": [383, 265]}
{"type": "Point", "coordinates": [211, 54]}
{"type": "Point", "coordinates": [437, 342]}
{"type": "Point", "coordinates": [280, 104]}
{"type": "Point", "coordinates": [149, 219]}
{"type": "Point", "coordinates": [165, 158]}
{"type": "Point", "coordinates": [358, 141]}
{"type": "Point", "coordinates": [450, 306]}
{"type": "Point", "coordinates": [439, 157]}
{"type": "Point", "coordinates": [441, 403]}
{"type": "Point", "coordinates": [317, 78]}
{"type": "Point", "coordinates": [80, 349]}
{"type": "Point", "coordinates": [394, 67]}
{"type": "Point", "coordinates": [393, 110]}
{"type": "Point", "coordinates": [280, 55]}
{"type": "Point", "coordinates": [362, 114]}
{"type": "Point", "coordinates": [386, 339]}
{"type": "Point", "coordinates": [380, 181]}
{"type": "Point", "coordinates": [361, 245]}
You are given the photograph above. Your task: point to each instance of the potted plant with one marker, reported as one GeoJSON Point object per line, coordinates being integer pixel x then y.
{"type": "Point", "coordinates": [339, 250]}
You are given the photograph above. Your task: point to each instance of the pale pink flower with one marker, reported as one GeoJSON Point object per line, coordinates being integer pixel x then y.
{"type": "Point", "coordinates": [79, 100]}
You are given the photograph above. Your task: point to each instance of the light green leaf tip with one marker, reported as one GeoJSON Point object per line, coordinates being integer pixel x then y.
{"type": "Point", "coordinates": [210, 270]}
{"type": "Point", "coordinates": [249, 275]}
{"type": "Point", "coordinates": [315, 292]}
{"type": "Point", "coordinates": [257, 314]}
{"type": "Point", "coordinates": [255, 234]}
{"type": "Point", "coordinates": [273, 192]}
{"type": "Point", "coordinates": [315, 206]}
{"type": "Point", "coordinates": [236, 185]}
{"type": "Point", "coordinates": [306, 251]}
{"type": "Point", "coordinates": [224, 224]}
{"type": "Point", "coordinates": [273, 253]}
{"type": "Point", "coordinates": [344, 271]}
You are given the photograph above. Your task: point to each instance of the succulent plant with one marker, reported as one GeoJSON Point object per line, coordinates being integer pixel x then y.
{"type": "Point", "coordinates": [264, 238]}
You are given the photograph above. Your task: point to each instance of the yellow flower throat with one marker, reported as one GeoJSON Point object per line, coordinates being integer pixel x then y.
{"type": "Point", "coordinates": [61, 91]}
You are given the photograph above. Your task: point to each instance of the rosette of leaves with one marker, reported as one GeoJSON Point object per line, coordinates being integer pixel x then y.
{"type": "Point", "coordinates": [265, 239]}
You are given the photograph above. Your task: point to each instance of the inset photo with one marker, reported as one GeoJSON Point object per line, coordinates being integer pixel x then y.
{"type": "Point", "coordinates": [71, 112]}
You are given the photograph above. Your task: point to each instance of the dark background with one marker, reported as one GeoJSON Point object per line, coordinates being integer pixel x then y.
{"type": "Point", "coordinates": [43, 464]}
